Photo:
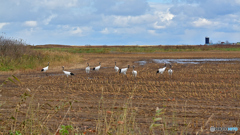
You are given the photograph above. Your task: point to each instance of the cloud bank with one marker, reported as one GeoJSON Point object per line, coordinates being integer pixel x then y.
{"type": "Point", "coordinates": [121, 22]}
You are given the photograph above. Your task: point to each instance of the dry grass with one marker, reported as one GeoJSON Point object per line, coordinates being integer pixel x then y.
{"type": "Point", "coordinates": [13, 48]}
{"type": "Point", "coordinates": [17, 56]}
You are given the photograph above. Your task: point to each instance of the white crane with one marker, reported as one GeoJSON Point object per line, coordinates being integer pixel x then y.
{"type": "Point", "coordinates": [124, 70]}
{"type": "Point", "coordinates": [46, 68]}
{"type": "Point", "coordinates": [116, 68]}
{"type": "Point", "coordinates": [134, 72]}
{"type": "Point", "coordinates": [98, 67]}
{"type": "Point", "coordinates": [88, 68]}
{"type": "Point", "coordinates": [170, 71]}
{"type": "Point", "coordinates": [161, 70]}
{"type": "Point", "coordinates": [67, 72]}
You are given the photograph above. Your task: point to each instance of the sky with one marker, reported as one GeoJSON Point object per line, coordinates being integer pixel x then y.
{"type": "Point", "coordinates": [120, 22]}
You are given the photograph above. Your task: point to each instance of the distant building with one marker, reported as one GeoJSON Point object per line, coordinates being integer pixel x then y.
{"type": "Point", "coordinates": [207, 40]}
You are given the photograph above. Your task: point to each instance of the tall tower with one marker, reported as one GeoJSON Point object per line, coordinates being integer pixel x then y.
{"type": "Point", "coordinates": [207, 40]}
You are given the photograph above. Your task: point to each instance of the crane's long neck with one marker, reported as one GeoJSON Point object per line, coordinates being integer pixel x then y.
{"type": "Point", "coordinates": [63, 68]}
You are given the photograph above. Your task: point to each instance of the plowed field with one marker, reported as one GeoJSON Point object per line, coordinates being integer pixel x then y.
{"type": "Point", "coordinates": [194, 98]}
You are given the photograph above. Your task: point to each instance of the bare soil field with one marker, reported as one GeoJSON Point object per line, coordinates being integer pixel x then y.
{"type": "Point", "coordinates": [194, 98]}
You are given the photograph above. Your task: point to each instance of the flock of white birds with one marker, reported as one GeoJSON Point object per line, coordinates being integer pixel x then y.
{"type": "Point", "coordinates": [122, 71]}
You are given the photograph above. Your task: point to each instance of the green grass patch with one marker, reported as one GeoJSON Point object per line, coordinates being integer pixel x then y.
{"type": "Point", "coordinates": [228, 49]}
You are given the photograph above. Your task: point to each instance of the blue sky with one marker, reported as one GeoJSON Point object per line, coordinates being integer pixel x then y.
{"type": "Point", "coordinates": [120, 22]}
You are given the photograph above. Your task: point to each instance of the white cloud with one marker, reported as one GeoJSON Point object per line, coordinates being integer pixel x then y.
{"type": "Point", "coordinates": [80, 31]}
{"type": "Point", "coordinates": [164, 16]}
{"type": "Point", "coordinates": [77, 31]}
{"type": "Point", "coordinates": [202, 22]}
{"type": "Point", "coordinates": [126, 21]}
{"type": "Point", "coordinates": [126, 31]}
{"type": "Point", "coordinates": [3, 24]}
{"type": "Point", "coordinates": [152, 32]}
{"type": "Point", "coordinates": [156, 26]}
{"type": "Point", "coordinates": [105, 31]}
{"type": "Point", "coordinates": [48, 20]}
{"type": "Point", "coordinates": [122, 21]}
{"type": "Point", "coordinates": [157, 20]}
{"type": "Point", "coordinates": [63, 26]}
{"type": "Point", "coordinates": [30, 23]}
{"type": "Point", "coordinates": [143, 19]}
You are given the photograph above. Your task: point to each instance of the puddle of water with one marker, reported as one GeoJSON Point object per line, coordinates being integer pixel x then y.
{"type": "Point", "coordinates": [142, 62]}
{"type": "Point", "coordinates": [192, 61]}
{"type": "Point", "coordinates": [188, 61]}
